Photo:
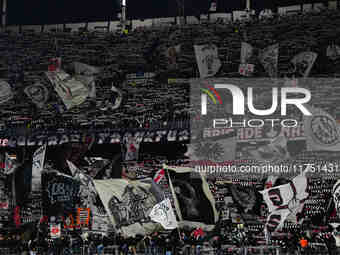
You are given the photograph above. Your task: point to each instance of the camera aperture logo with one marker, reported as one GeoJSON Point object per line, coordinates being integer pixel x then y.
{"type": "Point", "coordinates": [211, 92]}
{"type": "Point", "coordinates": [287, 95]}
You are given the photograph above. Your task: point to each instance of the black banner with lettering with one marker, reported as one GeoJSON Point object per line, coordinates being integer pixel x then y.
{"type": "Point", "coordinates": [60, 194]}
{"type": "Point", "coordinates": [105, 136]}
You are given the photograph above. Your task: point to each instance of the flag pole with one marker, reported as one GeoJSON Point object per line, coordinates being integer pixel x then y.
{"type": "Point", "coordinates": [248, 5]}
{"type": "Point", "coordinates": [176, 202]}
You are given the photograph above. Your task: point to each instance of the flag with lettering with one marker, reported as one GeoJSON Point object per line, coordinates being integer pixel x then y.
{"type": "Point", "coordinates": [60, 193]}
{"type": "Point", "coordinates": [284, 200]}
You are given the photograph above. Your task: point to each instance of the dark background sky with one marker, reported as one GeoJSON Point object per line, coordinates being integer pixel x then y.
{"type": "Point", "coordinates": [68, 11]}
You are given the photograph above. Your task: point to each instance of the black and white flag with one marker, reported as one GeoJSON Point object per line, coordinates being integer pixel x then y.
{"type": "Point", "coordinates": [207, 59]}
{"type": "Point", "coordinates": [269, 58]}
{"type": "Point", "coordinates": [38, 93]}
{"type": "Point", "coordinates": [6, 93]}
{"type": "Point", "coordinates": [164, 214]}
{"type": "Point", "coordinates": [303, 63]}
{"type": "Point", "coordinates": [129, 204]}
{"type": "Point", "coordinates": [72, 91]}
{"type": "Point", "coordinates": [285, 201]}
{"type": "Point", "coordinates": [194, 202]}
{"type": "Point", "coordinates": [38, 167]}
{"type": "Point", "coordinates": [321, 131]}
{"type": "Point", "coordinates": [333, 51]}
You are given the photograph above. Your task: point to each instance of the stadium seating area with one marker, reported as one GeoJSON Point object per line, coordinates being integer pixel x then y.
{"type": "Point", "coordinates": [25, 57]}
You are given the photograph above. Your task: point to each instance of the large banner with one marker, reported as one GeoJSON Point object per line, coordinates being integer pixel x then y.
{"type": "Point", "coordinates": [107, 136]}
{"type": "Point", "coordinates": [195, 204]}
{"type": "Point", "coordinates": [89, 198]}
{"type": "Point", "coordinates": [60, 193]}
{"type": "Point", "coordinates": [129, 204]}
{"type": "Point", "coordinates": [215, 144]}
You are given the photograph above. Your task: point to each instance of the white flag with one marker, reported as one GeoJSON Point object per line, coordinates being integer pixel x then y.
{"type": "Point", "coordinates": [38, 166]}
{"type": "Point", "coordinates": [84, 69]}
{"type": "Point", "coordinates": [333, 51]}
{"type": "Point", "coordinates": [277, 197]}
{"type": "Point", "coordinates": [164, 214]}
{"type": "Point", "coordinates": [207, 60]}
{"type": "Point", "coordinates": [72, 91]}
{"type": "Point", "coordinates": [6, 92]}
{"type": "Point", "coordinates": [303, 62]}
{"type": "Point", "coordinates": [321, 131]}
{"type": "Point", "coordinates": [246, 52]}
{"type": "Point", "coordinates": [285, 201]}
{"type": "Point", "coordinates": [269, 58]}
{"type": "Point", "coordinates": [280, 196]}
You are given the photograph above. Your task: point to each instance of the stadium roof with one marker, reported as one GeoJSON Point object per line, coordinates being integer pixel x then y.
{"type": "Point", "coordinates": [65, 11]}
